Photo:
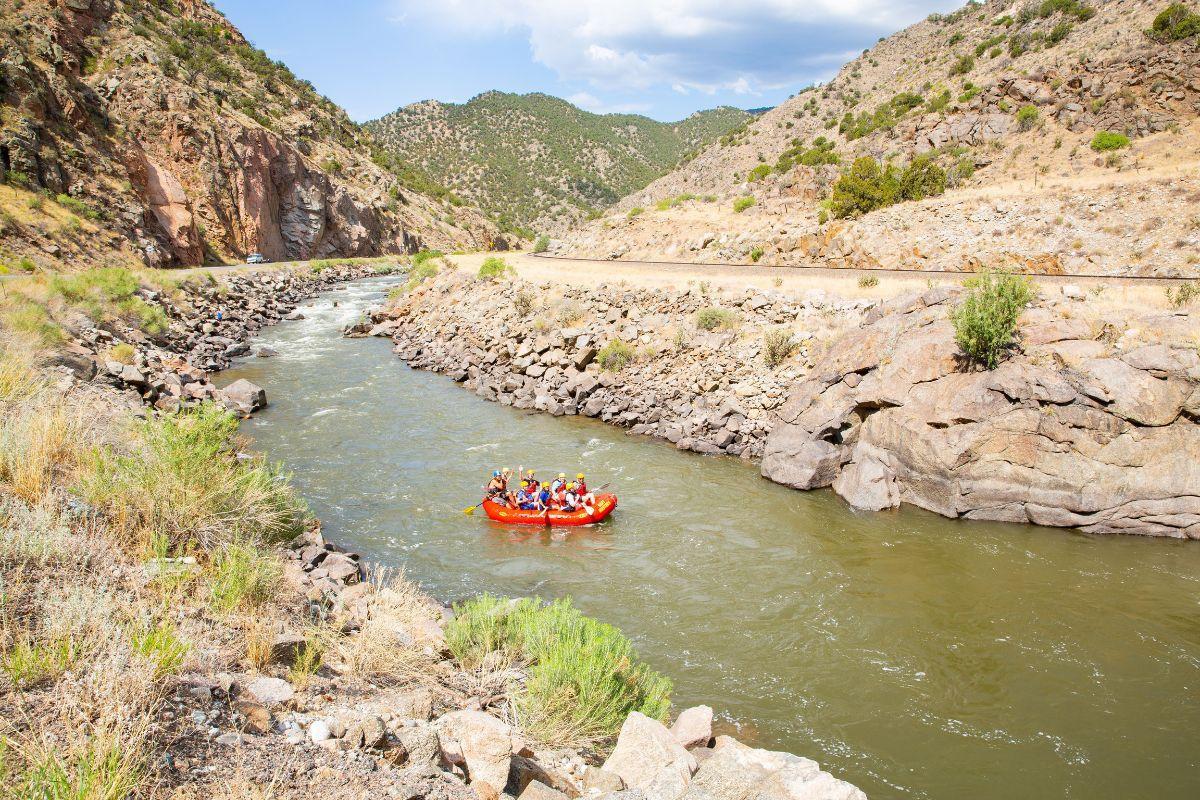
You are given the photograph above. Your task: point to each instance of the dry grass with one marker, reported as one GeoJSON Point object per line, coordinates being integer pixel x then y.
{"type": "Point", "coordinates": [385, 650]}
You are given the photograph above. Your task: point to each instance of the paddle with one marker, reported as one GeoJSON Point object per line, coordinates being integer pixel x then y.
{"type": "Point", "coordinates": [471, 509]}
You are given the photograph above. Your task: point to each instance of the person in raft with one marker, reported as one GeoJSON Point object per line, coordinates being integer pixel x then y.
{"type": "Point", "coordinates": [558, 495]}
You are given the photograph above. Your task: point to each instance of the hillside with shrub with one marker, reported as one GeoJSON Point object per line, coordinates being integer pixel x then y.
{"type": "Point", "coordinates": [538, 163]}
{"type": "Point", "coordinates": [140, 131]}
{"type": "Point", "coordinates": [1042, 135]}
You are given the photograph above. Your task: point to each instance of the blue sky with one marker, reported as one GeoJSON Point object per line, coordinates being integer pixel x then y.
{"type": "Point", "coordinates": [662, 58]}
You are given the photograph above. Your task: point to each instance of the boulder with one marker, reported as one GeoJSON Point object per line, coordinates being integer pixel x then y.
{"type": "Point", "coordinates": [270, 691]}
{"type": "Point", "coordinates": [484, 742]}
{"type": "Point", "coordinates": [737, 772]}
{"type": "Point", "coordinates": [366, 734]}
{"type": "Point", "coordinates": [648, 757]}
{"type": "Point", "coordinates": [243, 396]}
{"type": "Point", "coordinates": [693, 727]}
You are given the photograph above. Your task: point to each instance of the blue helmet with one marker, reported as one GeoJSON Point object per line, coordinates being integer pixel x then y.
{"type": "Point", "coordinates": [496, 474]}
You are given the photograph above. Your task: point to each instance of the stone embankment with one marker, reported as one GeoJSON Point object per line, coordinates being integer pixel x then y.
{"type": "Point", "coordinates": [544, 348]}
{"type": "Point", "coordinates": [211, 322]}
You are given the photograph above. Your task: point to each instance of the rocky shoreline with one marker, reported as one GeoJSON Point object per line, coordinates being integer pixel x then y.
{"type": "Point", "coordinates": [1091, 424]}
{"type": "Point", "coordinates": [707, 391]}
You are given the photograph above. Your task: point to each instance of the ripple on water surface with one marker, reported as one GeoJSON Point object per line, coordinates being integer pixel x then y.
{"type": "Point", "coordinates": [915, 656]}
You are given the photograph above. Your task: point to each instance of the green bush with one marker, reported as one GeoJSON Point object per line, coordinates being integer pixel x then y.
{"type": "Point", "coordinates": [755, 254]}
{"type": "Point", "coordinates": [1059, 32]}
{"type": "Point", "coordinates": [985, 322]}
{"type": "Point", "coordinates": [493, 267]}
{"type": "Point", "coordinates": [615, 355]}
{"type": "Point", "coordinates": [1104, 141]}
{"type": "Point", "coordinates": [421, 272]}
{"type": "Point", "coordinates": [865, 187]}
{"type": "Point", "coordinates": [1175, 22]}
{"type": "Point", "coordinates": [868, 282]}
{"type": "Point", "coordinates": [742, 203]}
{"type": "Point", "coordinates": [1027, 117]}
{"type": "Point", "coordinates": [716, 319]}
{"type": "Point", "coordinates": [243, 576]}
{"type": "Point", "coordinates": [922, 178]}
{"type": "Point", "coordinates": [426, 255]}
{"type": "Point", "coordinates": [542, 244]}
{"type": "Point", "coordinates": [778, 347]}
{"type": "Point", "coordinates": [759, 172]}
{"type": "Point", "coordinates": [1185, 294]}
{"type": "Point", "coordinates": [584, 677]}
{"type": "Point", "coordinates": [868, 185]}
{"type": "Point", "coordinates": [635, 211]}
{"type": "Point", "coordinates": [965, 64]}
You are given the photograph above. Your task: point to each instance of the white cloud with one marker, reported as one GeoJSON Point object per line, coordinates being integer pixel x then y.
{"type": "Point", "coordinates": [741, 46]}
{"type": "Point", "coordinates": [589, 102]}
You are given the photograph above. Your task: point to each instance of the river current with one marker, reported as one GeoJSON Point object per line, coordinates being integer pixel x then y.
{"type": "Point", "coordinates": [912, 655]}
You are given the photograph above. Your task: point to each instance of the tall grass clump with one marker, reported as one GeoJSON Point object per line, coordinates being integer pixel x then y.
{"type": "Point", "coordinates": [110, 293]}
{"type": "Point", "coordinates": [541, 244]}
{"type": "Point", "coordinates": [615, 355]}
{"type": "Point", "coordinates": [778, 347]}
{"type": "Point", "coordinates": [182, 486]}
{"type": "Point", "coordinates": [716, 319]}
{"type": "Point", "coordinates": [161, 645]}
{"type": "Point", "coordinates": [583, 676]}
{"type": "Point", "coordinates": [103, 769]}
{"type": "Point", "coordinates": [243, 576]}
{"type": "Point", "coordinates": [985, 322]}
{"type": "Point", "coordinates": [493, 268]}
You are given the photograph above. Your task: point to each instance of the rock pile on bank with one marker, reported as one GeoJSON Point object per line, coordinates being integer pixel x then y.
{"type": "Point", "coordinates": [211, 322]}
{"type": "Point", "coordinates": [1092, 425]}
{"type": "Point", "coordinates": [539, 347]}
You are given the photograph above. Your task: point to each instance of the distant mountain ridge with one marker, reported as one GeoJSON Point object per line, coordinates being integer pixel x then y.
{"type": "Point", "coordinates": [538, 163]}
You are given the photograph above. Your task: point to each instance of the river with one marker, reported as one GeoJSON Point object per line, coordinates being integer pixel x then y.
{"type": "Point", "coordinates": [912, 655]}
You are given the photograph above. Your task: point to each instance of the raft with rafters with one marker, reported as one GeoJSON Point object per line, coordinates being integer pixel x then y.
{"type": "Point", "coordinates": [605, 505]}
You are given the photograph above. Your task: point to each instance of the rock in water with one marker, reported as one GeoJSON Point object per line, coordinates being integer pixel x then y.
{"type": "Point", "coordinates": [648, 757]}
{"type": "Point", "coordinates": [243, 396]}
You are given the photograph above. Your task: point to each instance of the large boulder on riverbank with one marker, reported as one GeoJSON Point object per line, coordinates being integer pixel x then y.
{"type": "Point", "coordinates": [1091, 425]}
{"type": "Point", "coordinates": [648, 757]}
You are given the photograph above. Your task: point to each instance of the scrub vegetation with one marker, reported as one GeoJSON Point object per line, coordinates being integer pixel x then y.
{"type": "Point", "coordinates": [583, 677]}
{"type": "Point", "coordinates": [985, 322]}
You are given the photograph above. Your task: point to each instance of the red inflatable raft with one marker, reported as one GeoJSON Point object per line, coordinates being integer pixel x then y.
{"type": "Point", "coordinates": [605, 504]}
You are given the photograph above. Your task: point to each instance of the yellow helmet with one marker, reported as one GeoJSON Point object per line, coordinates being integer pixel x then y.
{"type": "Point", "coordinates": [579, 476]}
{"type": "Point", "coordinates": [545, 485]}
{"type": "Point", "coordinates": [570, 486]}
{"type": "Point", "coordinates": [562, 475]}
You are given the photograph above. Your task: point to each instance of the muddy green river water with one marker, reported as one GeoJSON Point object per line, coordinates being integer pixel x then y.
{"type": "Point", "coordinates": [912, 655]}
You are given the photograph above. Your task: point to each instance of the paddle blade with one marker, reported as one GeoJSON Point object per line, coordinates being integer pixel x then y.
{"type": "Point", "coordinates": [470, 510]}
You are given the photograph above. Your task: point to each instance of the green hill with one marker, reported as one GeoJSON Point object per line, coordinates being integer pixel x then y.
{"type": "Point", "coordinates": [535, 162]}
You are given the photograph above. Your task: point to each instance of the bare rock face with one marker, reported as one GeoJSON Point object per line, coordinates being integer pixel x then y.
{"type": "Point", "coordinates": [693, 727]}
{"type": "Point", "coordinates": [1071, 432]}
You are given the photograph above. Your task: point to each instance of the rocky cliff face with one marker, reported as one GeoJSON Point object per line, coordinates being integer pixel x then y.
{"type": "Point", "coordinates": [189, 144]}
{"type": "Point", "coordinates": [1085, 428]}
